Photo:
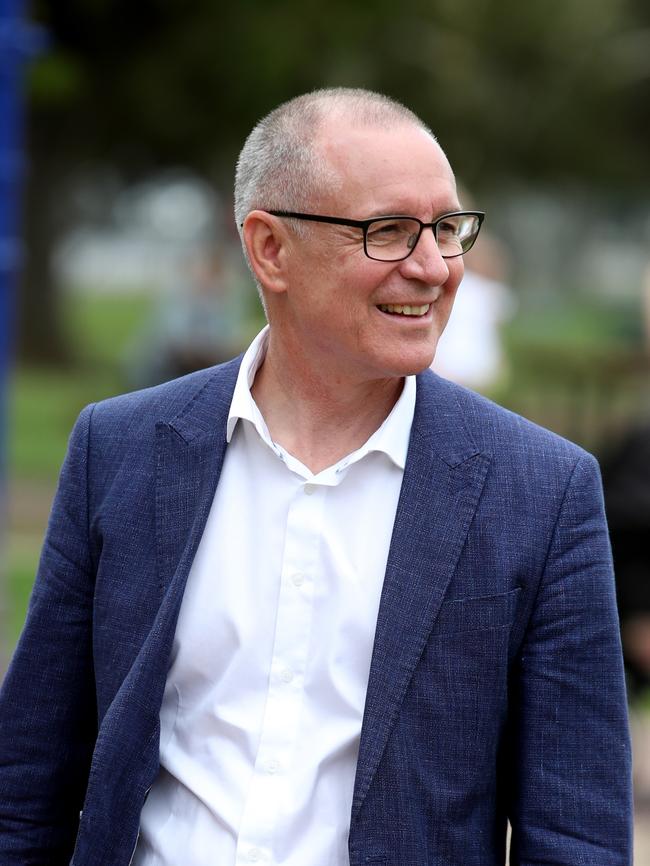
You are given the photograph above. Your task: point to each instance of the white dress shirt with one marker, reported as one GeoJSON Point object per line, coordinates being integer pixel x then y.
{"type": "Point", "coordinates": [262, 711]}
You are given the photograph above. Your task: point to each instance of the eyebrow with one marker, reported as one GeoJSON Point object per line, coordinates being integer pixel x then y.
{"type": "Point", "coordinates": [381, 212]}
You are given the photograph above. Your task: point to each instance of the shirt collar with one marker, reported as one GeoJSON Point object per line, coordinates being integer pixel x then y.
{"type": "Point", "coordinates": [392, 437]}
{"type": "Point", "coordinates": [242, 405]}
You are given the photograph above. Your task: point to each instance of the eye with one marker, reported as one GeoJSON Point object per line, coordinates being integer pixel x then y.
{"type": "Point", "coordinates": [449, 228]}
{"type": "Point", "coordinates": [392, 231]}
{"type": "Point", "coordinates": [384, 230]}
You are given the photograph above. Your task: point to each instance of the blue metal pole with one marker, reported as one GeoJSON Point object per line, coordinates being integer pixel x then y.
{"type": "Point", "coordinates": [11, 59]}
{"type": "Point", "coordinates": [18, 41]}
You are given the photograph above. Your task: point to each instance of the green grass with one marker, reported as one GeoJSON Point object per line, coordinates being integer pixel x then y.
{"type": "Point", "coordinates": [43, 405]}
{"type": "Point", "coordinates": [579, 369]}
{"type": "Point", "coordinates": [102, 326]}
{"type": "Point", "coordinates": [575, 326]}
{"type": "Point", "coordinates": [44, 402]}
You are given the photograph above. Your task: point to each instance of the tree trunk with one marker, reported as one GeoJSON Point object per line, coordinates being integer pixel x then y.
{"type": "Point", "coordinates": [40, 336]}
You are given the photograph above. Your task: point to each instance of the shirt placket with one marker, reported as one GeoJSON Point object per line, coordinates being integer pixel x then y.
{"type": "Point", "coordinates": [280, 725]}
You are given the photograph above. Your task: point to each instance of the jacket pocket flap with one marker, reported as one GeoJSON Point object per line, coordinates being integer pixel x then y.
{"type": "Point", "coordinates": [472, 614]}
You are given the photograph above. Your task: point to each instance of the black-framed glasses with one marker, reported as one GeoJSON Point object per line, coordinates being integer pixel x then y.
{"type": "Point", "coordinates": [393, 238]}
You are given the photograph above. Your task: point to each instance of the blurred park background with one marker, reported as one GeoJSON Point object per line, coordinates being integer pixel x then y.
{"type": "Point", "coordinates": [120, 124]}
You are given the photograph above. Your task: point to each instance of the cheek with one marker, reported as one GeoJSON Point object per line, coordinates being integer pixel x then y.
{"type": "Point", "coordinates": [450, 289]}
{"type": "Point", "coordinates": [354, 285]}
{"type": "Point", "coordinates": [456, 273]}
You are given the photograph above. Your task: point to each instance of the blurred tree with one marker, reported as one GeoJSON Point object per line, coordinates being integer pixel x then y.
{"type": "Point", "coordinates": [542, 91]}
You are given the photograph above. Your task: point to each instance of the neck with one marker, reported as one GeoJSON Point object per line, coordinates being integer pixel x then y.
{"type": "Point", "coordinates": [315, 417]}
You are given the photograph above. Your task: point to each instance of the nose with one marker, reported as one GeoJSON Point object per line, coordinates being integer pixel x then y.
{"type": "Point", "coordinates": [425, 262]}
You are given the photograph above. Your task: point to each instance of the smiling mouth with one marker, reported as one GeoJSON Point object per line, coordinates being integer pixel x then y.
{"type": "Point", "coordinates": [404, 309]}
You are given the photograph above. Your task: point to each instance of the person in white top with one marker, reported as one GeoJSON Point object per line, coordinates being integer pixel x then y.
{"type": "Point", "coordinates": [309, 608]}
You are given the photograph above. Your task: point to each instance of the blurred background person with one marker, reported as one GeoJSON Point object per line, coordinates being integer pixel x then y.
{"type": "Point", "coordinates": [197, 322]}
{"type": "Point", "coordinates": [470, 350]}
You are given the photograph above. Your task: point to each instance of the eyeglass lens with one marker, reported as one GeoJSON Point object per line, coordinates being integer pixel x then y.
{"type": "Point", "coordinates": [393, 239]}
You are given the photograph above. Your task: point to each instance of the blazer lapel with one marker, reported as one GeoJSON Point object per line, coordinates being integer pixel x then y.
{"type": "Point", "coordinates": [190, 453]}
{"type": "Point", "coordinates": [442, 484]}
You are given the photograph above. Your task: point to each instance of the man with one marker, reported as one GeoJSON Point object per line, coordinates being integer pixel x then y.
{"type": "Point", "coordinates": [303, 608]}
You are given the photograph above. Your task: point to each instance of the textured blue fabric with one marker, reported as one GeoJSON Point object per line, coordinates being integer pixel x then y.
{"type": "Point", "coordinates": [496, 686]}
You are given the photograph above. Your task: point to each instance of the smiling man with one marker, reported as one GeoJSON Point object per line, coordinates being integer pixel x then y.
{"type": "Point", "coordinates": [317, 607]}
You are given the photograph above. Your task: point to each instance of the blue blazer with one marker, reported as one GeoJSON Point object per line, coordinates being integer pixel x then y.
{"type": "Point", "coordinates": [496, 687]}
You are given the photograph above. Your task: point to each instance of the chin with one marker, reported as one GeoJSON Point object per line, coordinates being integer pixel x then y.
{"type": "Point", "coordinates": [417, 361]}
{"type": "Point", "coordinates": [411, 364]}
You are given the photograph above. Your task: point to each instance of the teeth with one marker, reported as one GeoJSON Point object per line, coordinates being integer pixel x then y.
{"type": "Point", "coordinates": [405, 309]}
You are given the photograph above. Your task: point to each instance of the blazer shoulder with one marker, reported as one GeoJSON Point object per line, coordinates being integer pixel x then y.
{"type": "Point", "coordinates": [133, 416]}
{"type": "Point", "coordinates": [505, 435]}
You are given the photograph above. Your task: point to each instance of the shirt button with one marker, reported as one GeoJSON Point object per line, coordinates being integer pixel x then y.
{"type": "Point", "coordinates": [309, 489]}
{"type": "Point", "coordinates": [254, 855]}
{"type": "Point", "coordinates": [298, 579]}
{"type": "Point", "coordinates": [286, 676]}
{"type": "Point", "coordinates": [272, 767]}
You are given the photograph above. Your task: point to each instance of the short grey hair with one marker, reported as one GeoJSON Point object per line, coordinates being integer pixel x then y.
{"type": "Point", "coordinates": [280, 168]}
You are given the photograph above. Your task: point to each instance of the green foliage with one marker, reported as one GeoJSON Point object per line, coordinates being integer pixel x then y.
{"type": "Point", "coordinates": [55, 80]}
{"type": "Point", "coordinates": [535, 89]}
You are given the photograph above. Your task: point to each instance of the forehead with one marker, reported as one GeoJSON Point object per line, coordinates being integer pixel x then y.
{"type": "Point", "coordinates": [376, 171]}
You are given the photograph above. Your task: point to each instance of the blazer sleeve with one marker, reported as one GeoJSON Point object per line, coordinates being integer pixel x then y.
{"type": "Point", "coordinates": [47, 704]}
{"type": "Point", "coordinates": [570, 801]}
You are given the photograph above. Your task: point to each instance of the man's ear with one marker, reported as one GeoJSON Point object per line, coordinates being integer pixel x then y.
{"type": "Point", "coordinates": [267, 246]}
